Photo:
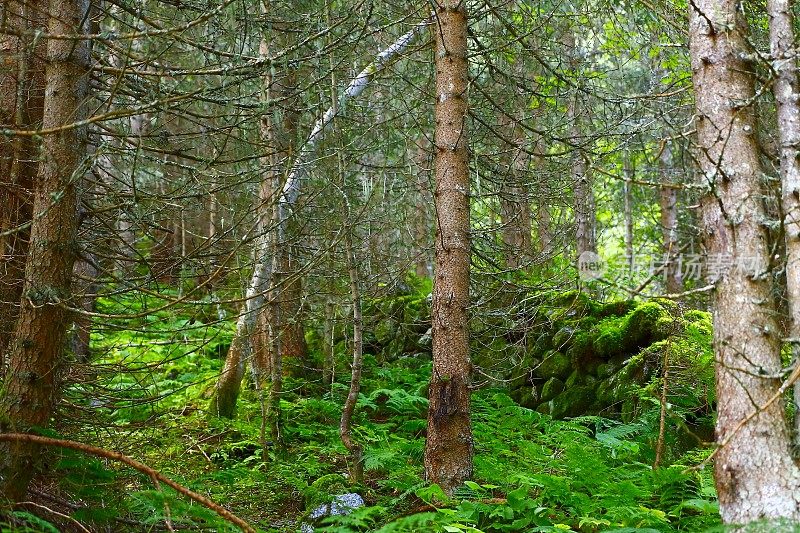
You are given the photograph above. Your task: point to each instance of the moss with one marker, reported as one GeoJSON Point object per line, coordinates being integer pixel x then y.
{"type": "Point", "coordinates": [552, 388]}
{"type": "Point", "coordinates": [572, 402]}
{"type": "Point", "coordinates": [564, 337]}
{"type": "Point", "coordinates": [573, 380]}
{"type": "Point", "coordinates": [609, 342]}
{"type": "Point", "coordinates": [582, 348]}
{"type": "Point", "coordinates": [604, 371]}
{"type": "Point", "coordinates": [646, 323]}
{"type": "Point", "coordinates": [615, 309]}
{"type": "Point", "coordinates": [554, 364]}
{"type": "Point", "coordinates": [545, 408]}
{"type": "Point", "coordinates": [573, 304]}
{"type": "Point", "coordinates": [699, 322]}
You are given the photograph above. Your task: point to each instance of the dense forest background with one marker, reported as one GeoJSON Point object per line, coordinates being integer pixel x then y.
{"type": "Point", "coordinates": [344, 265]}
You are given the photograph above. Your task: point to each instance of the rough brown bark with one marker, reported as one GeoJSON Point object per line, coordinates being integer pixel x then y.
{"type": "Point", "coordinates": [31, 387]}
{"type": "Point", "coordinates": [21, 107]}
{"type": "Point", "coordinates": [786, 89]}
{"type": "Point", "coordinates": [449, 448]}
{"type": "Point", "coordinates": [754, 472]}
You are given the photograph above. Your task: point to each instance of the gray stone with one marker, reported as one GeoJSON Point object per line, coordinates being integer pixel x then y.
{"type": "Point", "coordinates": [341, 505]}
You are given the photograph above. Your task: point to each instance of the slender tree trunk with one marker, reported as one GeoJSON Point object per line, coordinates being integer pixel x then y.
{"type": "Point", "coordinates": [422, 223]}
{"type": "Point", "coordinates": [328, 369]}
{"type": "Point", "coordinates": [31, 388]}
{"type": "Point", "coordinates": [345, 425]}
{"type": "Point", "coordinates": [515, 208]}
{"type": "Point", "coordinates": [754, 472]}
{"type": "Point", "coordinates": [21, 107]}
{"type": "Point", "coordinates": [585, 215]}
{"type": "Point", "coordinates": [628, 210]}
{"type": "Point", "coordinates": [787, 91]}
{"type": "Point", "coordinates": [229, 383]}
{"type": "Point", "coordinates": [668, 202]}
{"type": "Point", "coordinates": [448, 449]}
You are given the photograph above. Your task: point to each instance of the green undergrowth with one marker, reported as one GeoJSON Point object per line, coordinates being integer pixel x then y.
{"type": "Point", "coordinates": [532, 472]}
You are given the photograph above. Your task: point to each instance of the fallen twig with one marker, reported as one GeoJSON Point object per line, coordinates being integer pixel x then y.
{"type": "Point", "coordinates": [136, 465]}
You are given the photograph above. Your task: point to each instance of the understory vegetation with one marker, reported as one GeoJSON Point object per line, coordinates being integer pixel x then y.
{"type": "Point", "coordinates": [533, 472]}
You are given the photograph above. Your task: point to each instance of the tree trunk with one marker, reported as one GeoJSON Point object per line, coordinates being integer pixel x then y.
{"type": "Point", "coordinates": [260, 281]}
{"type": "Point", "coordinates": [668, 202]}
{"type": "Point", "coordinates": [31, 388]}
{"type": "Point", "coordinates": [345, 425]}
{"type": "Point", "coordinates": [448, 449]}
{"type": "Point", "coordinates": [21, 107]}
{"type": "Point", "coordinates": [628, 211]}
{"type": "Point", "coordinates": [754, 472]}
{"type": "Point", "coordinates": [585, 215]}
{"type": "Point", "coordinates": [787, 90]}
{"type": "Point", "coordinates": [515, 208]}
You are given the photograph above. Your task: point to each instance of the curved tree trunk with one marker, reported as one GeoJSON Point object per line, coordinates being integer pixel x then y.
{"type": "Point", "coordinates": [754, 472]}
{"type": "Point", "coordinates": [31, 388]}
{"type": "Point", "coordinates": [448, 449]}
{"type": "Point", "coordinates": [229, 383]}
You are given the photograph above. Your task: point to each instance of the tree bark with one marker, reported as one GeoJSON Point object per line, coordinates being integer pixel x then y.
{"type": "Point", "coordinates": [21, 107]}
{"type": "Point", "coordinates": [786, 89]}
{"type": "Point", "coordinates": [31, 388]}
{"type": "Point", "coordinates": [449, 448]}
{"type": "Point", "coordinates": [668, 202]}
{"type": "Point", "coordinates": [345, 425]}
{"type": "Point", "coordinates": [754, 472]}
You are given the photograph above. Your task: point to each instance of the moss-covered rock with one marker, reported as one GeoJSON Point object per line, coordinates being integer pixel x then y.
{"type": "Point", "coordinates": [552, 388]}
{"type": "Point", "coordinates": [554, 364]}
{"type": "Point", "coordinates": [574, 401]}
{"type": "Point", "coordinates": [647, 323]}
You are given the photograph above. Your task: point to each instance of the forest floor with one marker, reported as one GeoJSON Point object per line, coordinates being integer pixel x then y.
{"type": "Point", "coordinates": [532, 472]}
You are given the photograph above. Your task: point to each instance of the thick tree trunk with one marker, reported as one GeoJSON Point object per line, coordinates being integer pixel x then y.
{"type": "Point", "coordinates": [787, 91]}
{"type": "Point", "coordinates": [754, 472]}
{"type": "Point", "coordinates": [448, 449]}
{"type": "Point", "coordinates": [356, 466]}
{"type": "Point", "coordinates": [31, 388]}
{"type": "Point", "coordinates": [21, 106]}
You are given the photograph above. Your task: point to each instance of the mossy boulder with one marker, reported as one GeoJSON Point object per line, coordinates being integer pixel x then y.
{"type": "Point", "coordinates": [572, 402]}
{"type": "Point", "coordinates": [648, 323]}
{"type": "Point", "coordinates": [554, 364]}
{"type": "Point", "coordinates": [552, 388]}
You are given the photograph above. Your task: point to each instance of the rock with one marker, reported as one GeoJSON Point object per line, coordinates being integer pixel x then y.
{"type": "Point", "coordinates": [554, 364]}
{"type": "Point", "coordinates": [341, 505]}
{"type": "Point", "coordinates": [572, 402]}
{"type": "Point", "coordinates": [604, 371]}
{"type": "Point", "coordinates": [551, 389]}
